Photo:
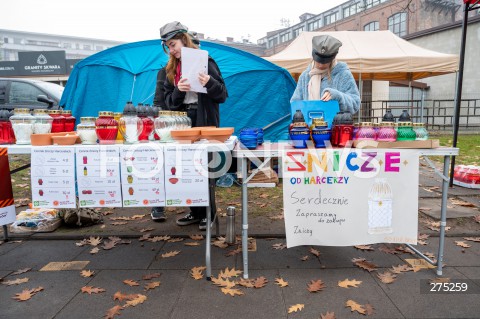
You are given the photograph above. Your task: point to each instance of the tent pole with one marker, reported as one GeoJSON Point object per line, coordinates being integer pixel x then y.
{"type": "Point", "coordinates": [410, 93]}
{"type": "Point", "coordinates": [458, 101]}
{"type": "Point", "coordinates": [360, 88]}
{"type": "Point", "coordinates": [422, 106]}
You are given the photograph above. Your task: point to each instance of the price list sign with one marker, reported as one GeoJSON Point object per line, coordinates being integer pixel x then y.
{"type": "Point", "coordinates": [142, 175]}
{"type": "Point", "coordinates": [98, 177]}
{"type": "Point", "coordinates": [53, 177]}
{"type": "Point", "coordinates": [186, 175]}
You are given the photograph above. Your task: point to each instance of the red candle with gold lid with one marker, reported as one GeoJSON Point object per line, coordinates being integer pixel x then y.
{"type": "Point", "coordinates": [58, 123]}
{"type": "Point", "coordinates": [106, 127]}
{"type": "Point", "coordinates": [69, 121]}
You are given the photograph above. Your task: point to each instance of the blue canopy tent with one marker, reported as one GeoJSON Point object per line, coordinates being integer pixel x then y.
{"type": "Point", "coordinates": [259, 91]}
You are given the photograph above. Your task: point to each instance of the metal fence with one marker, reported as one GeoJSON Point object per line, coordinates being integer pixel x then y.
{"type": "Point", "coordinates": [436, 114]}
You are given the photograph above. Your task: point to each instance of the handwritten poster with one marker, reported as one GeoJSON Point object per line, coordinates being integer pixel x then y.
{"type": "Point", "coordinates": [186, 175]}
{"type": "Point", "coordinates": [343, 197]}
{"type": "Point", "coordinates": [98, 176]}
{"type": "Point", "coordinates": [142, 175]}
{"type": "Point", "coordinates": [53, 177]}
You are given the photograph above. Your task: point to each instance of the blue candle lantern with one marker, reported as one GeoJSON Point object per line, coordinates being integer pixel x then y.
{"type": "Point", "coordinates": [299, 134]}
{"type": "Point", "coordinates": [249, 138]}
{"type": "Point", "coordinates": [320, 132]}
{"type": "Point", "coordinates": [260, 136]}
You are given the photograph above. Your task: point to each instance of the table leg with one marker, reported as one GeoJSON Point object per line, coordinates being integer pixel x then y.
{"type": "Point", "coordinates": [208, 247]}
{"type": "Point", "coordinates": [443, 216]}
{"type": "Point", "coordinates": [245, 217]}
{"type": "Point", "coordinates": [5, 233]}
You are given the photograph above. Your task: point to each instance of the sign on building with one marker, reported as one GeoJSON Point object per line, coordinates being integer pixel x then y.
{"type": "Point", "coordinates": [8, 68]}
{"type": "Point", "coordinates": [42, 63]}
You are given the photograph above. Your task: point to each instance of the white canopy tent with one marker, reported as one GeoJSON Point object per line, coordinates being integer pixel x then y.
{"type": "Point", "coordinates": [371, 55]}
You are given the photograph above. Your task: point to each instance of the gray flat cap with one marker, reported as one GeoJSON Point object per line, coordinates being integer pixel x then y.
{"type": "Point", "coordinates": [171, 29]}
{"type": "Point", "coordinates": [325, 48]}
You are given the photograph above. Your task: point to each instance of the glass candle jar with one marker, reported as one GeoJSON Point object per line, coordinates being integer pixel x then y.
{"type": "Point", "coordinates": [376, 128]}
{"type": "Point", "coordinates": [7, 136]}
{"type": "Point", "coordinates": [188, 121]}
{"type": "Point", "coordinates": [152, 116]}
{"type": "Point", "coordinates": [148, 124]}
{"type": "Point", "coordinates": [249, 138]}
{"type": "Point", "coordinates": [69, 121]}
{"type": "Point", "coordinates": [320, 133]}
{"type": "Point", "coordinates": [356, 126]}
{"type": "Point", "coordinates": [43, 122]}
{"type": "Point", "coordinates": [58, 123]}
{"type": "Point", "coordinates": [420, 131]}
{"type": "Point", "coordinates": [163, 125]}
{"type": "Point", "coordinates": [459, 172]}
{"type": "Point", "coordinates": [387, 132]}
{"type": "Point", "coordinates": [86, 130]}
{"type": "Point", "coordinates": [179, 120]}
{"type": "Point", "coordinates": [366, 132]}
{"type": "Point", "coordinates": [22, 124]}
{"type": "Point", "coordinates": [106, 127]}
{"type": "Point", "coordinates": [299, 134]}
{"type": "Point", "coordinates": [130, 126]}
{"type": "Point", "coordinates": [405, 132]}
{"type": "Point", "coordinates": [117, 116]}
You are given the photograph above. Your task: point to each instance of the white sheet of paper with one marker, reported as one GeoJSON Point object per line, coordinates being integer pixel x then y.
{"type": "Point", "coordinates": [194, 61]}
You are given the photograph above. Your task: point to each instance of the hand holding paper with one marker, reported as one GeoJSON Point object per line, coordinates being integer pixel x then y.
{"type": "Point", "coordinates": [203, 78]}
{"type": "Point", "coordinates": [184, 85]}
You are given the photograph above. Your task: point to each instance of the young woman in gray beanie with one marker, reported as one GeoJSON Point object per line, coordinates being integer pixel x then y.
{"type": "Point", "coordinates": [326, 79]}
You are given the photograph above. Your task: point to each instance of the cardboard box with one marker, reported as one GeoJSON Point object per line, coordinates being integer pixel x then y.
{"type": "Point", "coordinates": [397, 144]}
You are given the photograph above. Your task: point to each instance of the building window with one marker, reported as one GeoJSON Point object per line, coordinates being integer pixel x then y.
{"type": "Point", "coordinates": [87, 47]}
{"type": "Point", "coordinates": [314, 25]}
{"type": "Point", "coordinates": [297, 32]}
{"type": "Point", "coordinates": [372, 3]}
{"type": "Point", "coordinates": [67, 45]}
{"type": "Point", "coordinates": [398, 24]}
{"type": "Point", "coordinates": [5, 40]}
{"type": "Point", "coordinates": [284, 37]}
{"type": "Point", "coordinates": [273, 42]}
{"type": "Point", "coordinates": [99, 47]}
{"type": "Point", "coordinates": [372, 26]}
{"type": "Point", "coordinates": [331, 18]}
{"type": "Point", "coordinates": [17, 41]}
{"type": "Point", "coordinates": [42, 43]}
{"type": "Point", "coordinates": [351, 10]}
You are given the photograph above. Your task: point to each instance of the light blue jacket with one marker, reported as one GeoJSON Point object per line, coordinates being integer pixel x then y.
{"type": "Point", "coordinates": [342, 87]}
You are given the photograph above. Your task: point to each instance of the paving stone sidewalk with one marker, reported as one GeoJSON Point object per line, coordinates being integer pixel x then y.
{"type": "Point", "coordinates": [181, 296]}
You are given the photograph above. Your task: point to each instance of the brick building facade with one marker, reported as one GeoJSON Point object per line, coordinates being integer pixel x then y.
{"type": "Point", "coordinates": [402, 17]}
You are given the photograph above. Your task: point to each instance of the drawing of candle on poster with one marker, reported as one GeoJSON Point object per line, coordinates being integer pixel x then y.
{"type": "Point", "coordinates": [98, 176]}
{"type": "Point", "coordinates": [186, 175]}
{"type": "Point", "coordinates": [142, 175]}
{"type": "Point", "coordinates": [343, 197]}
{"type": "Point", "coordinates": [53, 177]}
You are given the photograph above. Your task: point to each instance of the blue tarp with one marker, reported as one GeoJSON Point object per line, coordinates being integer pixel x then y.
{"type": "Point", "coordinates": [259, 91]}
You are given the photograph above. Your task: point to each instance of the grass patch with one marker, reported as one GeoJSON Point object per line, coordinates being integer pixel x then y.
{"type": "Point", "coordinates": [261, 201]}
{"type": "Point", "coordinates": [20, 180]}
{"type": "Point", "coordinates": [469, 145]}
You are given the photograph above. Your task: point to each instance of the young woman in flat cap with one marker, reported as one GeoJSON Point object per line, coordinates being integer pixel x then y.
{"type": "Point", "coordinates": [326, 79]}
{"type": "Point", "coordinates": [201, 108]}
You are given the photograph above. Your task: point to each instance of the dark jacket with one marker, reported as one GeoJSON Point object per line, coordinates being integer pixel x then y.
{"type": "Point", "coordinates": [159, 98]}
{"type": "Point", "coordinates": [208, 113]}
